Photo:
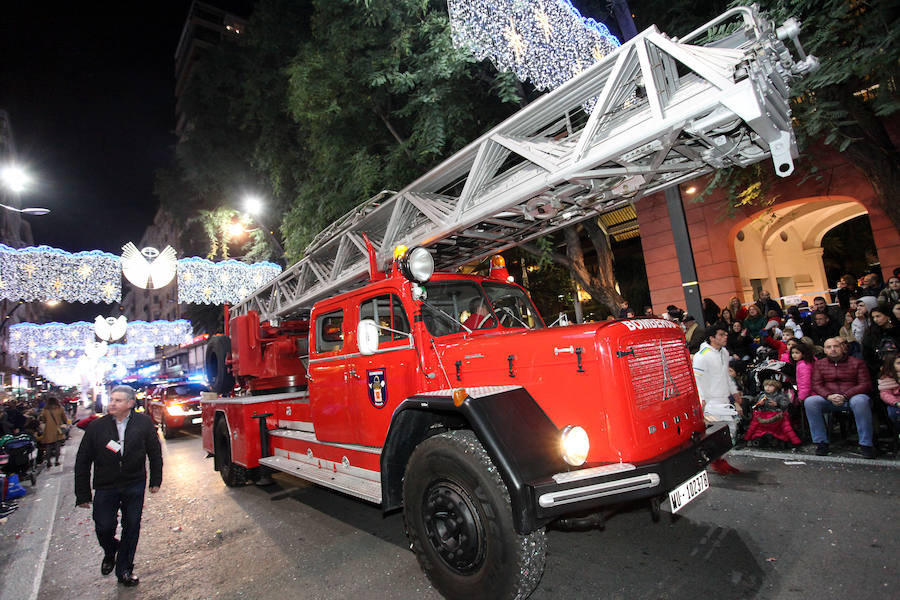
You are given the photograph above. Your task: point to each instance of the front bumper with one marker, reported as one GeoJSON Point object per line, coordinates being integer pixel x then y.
{"type": "Point", "coordinates": [596, 487]}
{"type": "Point", "coordinates": [182, 421]}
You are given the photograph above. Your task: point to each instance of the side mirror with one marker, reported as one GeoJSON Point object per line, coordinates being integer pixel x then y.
{"type": "Point", "coordinates": [367, 337]}
{"type": "Point", "coordinates": [563, 319]}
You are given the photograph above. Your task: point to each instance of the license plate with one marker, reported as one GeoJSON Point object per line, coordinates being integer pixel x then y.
{"type": "Point", "coordinates": [197, 421]}
{"type": "Point", "coordinates": [688, 490]}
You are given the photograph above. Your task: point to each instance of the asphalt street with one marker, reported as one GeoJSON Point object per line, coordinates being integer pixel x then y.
{"type": "Point", "coordinates": [785, 527]}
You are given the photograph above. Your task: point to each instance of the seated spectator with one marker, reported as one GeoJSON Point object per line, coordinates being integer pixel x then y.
{"type": "Point", "coordinates": [846, 334]}
{"type": "Point", "coordinates": [840, 383]}
{"type": "Point", "coordinates": [794, 321]}
{"type": "Point", "coordinates": [846, 287]}
{"type": "Point", "coordinates": [648, 311]}
{"type": "Point", "coordinates": [738, 311]}
{"type": "Point", "coordinates": [889, 387]}
{"type": "Point", "coordinates": [785, 357]}
{"type": "Point", "coordinates": [726, 318]}
{"type": "Point", "coordinates": [740, 344]}
{"type": "Point", "coordinates": [896, 311]}
{"type": "Point", "coordinates": [623, 311]}
{"type": "Point", "coordinates": [819, 305]}
{"type": "Point", "coordinates": [711, 312]}
{"type": "Point", "coordinates": [802, 360]}
{"type": "Point", "coordinates": [822, 328]}
{"type": "Point", "coordinates": [765, 304]}
{"type": "Point", "coordinates": [818, 351]}
{"type": "Point", "coordinates": [693, 333]}
{"type": "Point", "coordinates": [773, 321]}
{"type": "Point", "coordinates": [860, 325]}
{"type": "Point", "coordinates": [755, 320]}
{"type": "Point", "coordinates": [882, 338]}
{"type": "Point", "coordinates": [890, 295]}
{"type": "Point", "coordinates": [872, 285]}
{"type": "Point", "coordinates": [674, 313]}
{"type": "Point", "coordinates": [770, 415]}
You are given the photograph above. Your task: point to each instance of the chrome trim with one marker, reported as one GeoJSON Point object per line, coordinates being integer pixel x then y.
{"type": "Point", "coordinates": [302, 397]}
{"type": "Point", "coordinates": [568, 476]}
{"type": "Point", "coordinates": [598, 490]}
{"type": "Point", "coordinates": [306, 436]}
{"type": "Point", "coordinates": [314, 361]}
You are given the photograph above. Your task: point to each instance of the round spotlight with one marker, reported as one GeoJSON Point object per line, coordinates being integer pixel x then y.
{"type": "Point", "coordinates": [417, 265]}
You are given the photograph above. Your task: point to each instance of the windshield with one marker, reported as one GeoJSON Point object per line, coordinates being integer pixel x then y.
{"type": "Point", "coordinates": [512, 306]}
{"type": "Point", "coordinates": [453, 306]}
{"type": "Point", "coordinates": [190, 389]}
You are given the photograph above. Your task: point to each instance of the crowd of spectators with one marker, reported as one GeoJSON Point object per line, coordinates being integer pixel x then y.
{"type": "Point", "coordinates": [838, 355]}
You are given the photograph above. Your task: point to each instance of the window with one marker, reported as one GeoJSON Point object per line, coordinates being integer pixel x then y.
{"type": "Point", "coordinates": [329, 331]}
{"type": "Point", "coordinates": [388, 312]}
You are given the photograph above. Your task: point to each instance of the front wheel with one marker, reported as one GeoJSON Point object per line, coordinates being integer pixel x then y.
{"type": "Point", "coordinates": [164, 429]}
{"type": "Point", "coordinates": [459, 523]}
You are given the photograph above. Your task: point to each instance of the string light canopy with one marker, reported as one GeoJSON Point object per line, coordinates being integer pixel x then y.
{"type": "Point", "coordinates": [62, 337]}
{"type": "Point", "coordinates": [43, 273]}
{"type": "Point", "coordinates": [546, 42]}
{"type": "Point", "coordinates": [202, 281]}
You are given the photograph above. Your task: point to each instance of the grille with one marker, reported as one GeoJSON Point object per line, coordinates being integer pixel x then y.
{"type": "Point", "coordinates": [654, 380]}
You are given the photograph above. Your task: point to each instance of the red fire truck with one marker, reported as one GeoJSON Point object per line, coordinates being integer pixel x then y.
{"type": "Point", "coordinates": [447, 395]}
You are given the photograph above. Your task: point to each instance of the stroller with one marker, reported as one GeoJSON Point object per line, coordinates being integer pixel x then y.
{"type": "Point", "coordinates": [22, 451]}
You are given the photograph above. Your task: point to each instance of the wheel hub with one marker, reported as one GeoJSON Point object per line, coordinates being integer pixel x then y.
{"type": "Point", "coordinates": [453, 527]}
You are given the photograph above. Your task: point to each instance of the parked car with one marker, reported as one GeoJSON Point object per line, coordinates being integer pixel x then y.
{"type": "Point", "coordinates": [175, 406]}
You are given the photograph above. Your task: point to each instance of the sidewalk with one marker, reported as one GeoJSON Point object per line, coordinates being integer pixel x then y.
{"type": "Point", "coordinates": [844, 452]}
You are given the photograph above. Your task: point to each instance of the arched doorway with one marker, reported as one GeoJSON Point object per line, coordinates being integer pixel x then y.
{"type": "Point", "coordinates": [780, 249]}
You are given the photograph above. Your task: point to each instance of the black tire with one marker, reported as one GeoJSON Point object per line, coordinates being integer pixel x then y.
{"type": "Point", "coordinates": [164, 429]}
{"type": "Point", "coordinates": [459, 523]}
{"type": "Point", "coordinates": [218, 373]}
{"type": "Point", "coordinates": [233, 475]}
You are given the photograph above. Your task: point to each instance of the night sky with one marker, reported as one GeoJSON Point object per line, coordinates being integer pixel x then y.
{"type": "Point", "coordinates": [89, 89]}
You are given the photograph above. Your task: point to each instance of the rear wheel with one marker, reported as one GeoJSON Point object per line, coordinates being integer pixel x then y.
{"type": "Point", "coordinates": [459, 523]}
{"type": "Point", "coordinates": [233, 475]}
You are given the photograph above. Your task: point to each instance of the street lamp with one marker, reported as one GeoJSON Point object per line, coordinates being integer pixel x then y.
{"type": "Point", "coordinates": [253, 205]}
{"type": "Point", "coordinates": [16, 180]}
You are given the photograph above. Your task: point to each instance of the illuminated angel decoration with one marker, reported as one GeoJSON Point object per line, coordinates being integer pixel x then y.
{"type": "Point", "coordinates": [110, 329]}
{"type": "Point", "coordinates": [149, 268]}
{"type": "Point", "coordinates": [95, 350]}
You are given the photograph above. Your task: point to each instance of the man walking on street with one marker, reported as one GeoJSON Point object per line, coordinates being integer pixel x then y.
{"type": "Point", "coordinates": [118, 446]}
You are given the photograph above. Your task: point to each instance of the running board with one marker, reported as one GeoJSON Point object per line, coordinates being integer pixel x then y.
{"type": "Point", "coordinates": [349, 484]}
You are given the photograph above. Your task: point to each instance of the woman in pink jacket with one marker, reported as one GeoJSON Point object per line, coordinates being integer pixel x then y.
{"type": "Point", "coordinates": [802, 359]}
{"type": "Point", "coordinates": [889, 387]}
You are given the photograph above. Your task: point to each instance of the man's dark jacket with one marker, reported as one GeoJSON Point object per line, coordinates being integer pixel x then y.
{"type": "Point", "coordinates": [114, 470]}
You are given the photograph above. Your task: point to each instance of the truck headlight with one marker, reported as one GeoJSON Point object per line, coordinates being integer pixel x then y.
{"type": "Point", "coordinates": [574, 445]}
{"type": "Point", "coordinates": [175, 410]}
{"type": "Point", "coordinates": [417, 265]}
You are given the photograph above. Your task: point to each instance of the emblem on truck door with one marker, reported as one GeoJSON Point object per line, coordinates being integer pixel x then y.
{"type": "Point", "coordinates": [377, 387]}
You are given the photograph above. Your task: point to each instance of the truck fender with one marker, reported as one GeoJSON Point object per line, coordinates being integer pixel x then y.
{"type": "Point", "coordinates": [519, 437]}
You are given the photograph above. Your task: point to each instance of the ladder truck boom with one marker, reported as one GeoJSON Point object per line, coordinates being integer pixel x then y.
{"type": "Point", "coordinates": [662, 111]}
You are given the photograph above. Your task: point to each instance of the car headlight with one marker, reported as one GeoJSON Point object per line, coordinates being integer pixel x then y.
{"type": "Point", "coordinates": [574, 445]}
{"type": "Point", "coordinates": [175, 410]}
{"type": "Point", "coordinates": [417, 265]}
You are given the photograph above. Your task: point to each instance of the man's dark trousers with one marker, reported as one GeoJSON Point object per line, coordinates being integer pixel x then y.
{"type": "Point", "coordinates": [107, 503]}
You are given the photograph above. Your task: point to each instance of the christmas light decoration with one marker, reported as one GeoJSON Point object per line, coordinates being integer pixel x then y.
{"type": "Point", "coordinates": [149, 268]}
{"type": "Point", "coordinates": [44, 273]}
{"type": "Point", "coordinates": [61, 337]}
{"type": "Point", "coordinates": [546, 42]}
{"type": "Point", "coordinates": [202, 281]}
{"type": "Point", "coordinates": [110, 329]}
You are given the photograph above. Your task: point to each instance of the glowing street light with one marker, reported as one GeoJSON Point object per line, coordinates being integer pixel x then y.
{"type": "Point", "coordinates": [253, 204]}
{"type": "Point", "coordinates": [15, 178]}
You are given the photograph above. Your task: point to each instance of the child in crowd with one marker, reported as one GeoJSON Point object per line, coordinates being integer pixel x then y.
{"type": "Point", "coordinates": [770, 417]}
{"type": "Point", "coordinates": [889, 387]}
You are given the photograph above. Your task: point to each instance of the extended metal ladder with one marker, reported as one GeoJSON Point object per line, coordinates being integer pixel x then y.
{"type": "Point", "coordinates": [664, 112]}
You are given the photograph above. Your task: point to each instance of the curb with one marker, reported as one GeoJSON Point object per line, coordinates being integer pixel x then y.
{"type": "Point", "coordinates": [844, 460]}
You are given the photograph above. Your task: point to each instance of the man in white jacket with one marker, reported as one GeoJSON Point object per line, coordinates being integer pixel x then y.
{"type": "Point", "coordinates": [719, 395]}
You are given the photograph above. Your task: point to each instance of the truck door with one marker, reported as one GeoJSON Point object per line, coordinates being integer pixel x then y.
{"type": "Point", "coordinates": [381, 381]}
{"type": "Point", "coordinates": [328, 374]}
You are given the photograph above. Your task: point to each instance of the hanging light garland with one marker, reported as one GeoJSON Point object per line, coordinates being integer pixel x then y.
{"type": "Point", "coordinates": [62, 337]}
{"type": "Point", "coordinates": [546, 42]}
{"type": "Point", "coordinates": [44, 273]}
{"type": "Point", "coordinates": [202, 281]}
